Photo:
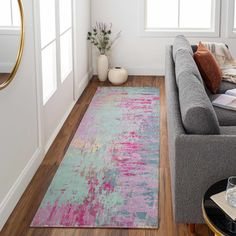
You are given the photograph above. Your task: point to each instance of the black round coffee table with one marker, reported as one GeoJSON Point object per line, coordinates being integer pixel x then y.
{"type": "Point", "coordinates": [218, 221]}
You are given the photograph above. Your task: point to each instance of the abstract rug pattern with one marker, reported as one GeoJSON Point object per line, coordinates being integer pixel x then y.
{"type": "Point", "coordinates": [109, 176]}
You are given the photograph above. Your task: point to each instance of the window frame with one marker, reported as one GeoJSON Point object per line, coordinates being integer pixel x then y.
{"type": "Point", "coordinates": [231, 31]}
{"type": "Point", "coordinates": [214, 31]}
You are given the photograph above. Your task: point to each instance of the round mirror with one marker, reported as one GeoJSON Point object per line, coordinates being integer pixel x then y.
{"type": "Point", "coordinates": [11, 39]}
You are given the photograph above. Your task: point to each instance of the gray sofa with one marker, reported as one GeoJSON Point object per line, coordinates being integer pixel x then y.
{"type": "Point", "coordinates": [201, 138]}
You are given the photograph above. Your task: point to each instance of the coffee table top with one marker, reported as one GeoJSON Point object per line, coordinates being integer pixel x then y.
{"type": "Point", "coordinates": [218, 221]}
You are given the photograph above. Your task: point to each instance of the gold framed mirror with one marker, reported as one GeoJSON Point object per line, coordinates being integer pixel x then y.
{"type": "Point", "coordinates": [11, 39]}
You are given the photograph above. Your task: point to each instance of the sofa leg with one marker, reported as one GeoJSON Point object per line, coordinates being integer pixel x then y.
{"type": "Point", "coordinates": [192, 228]}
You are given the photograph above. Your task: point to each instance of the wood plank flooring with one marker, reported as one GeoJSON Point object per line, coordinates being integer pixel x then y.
{"type": "Point", "coordinates": [19, 221]}
{"type": "Point", "coordinates": [4, 77]}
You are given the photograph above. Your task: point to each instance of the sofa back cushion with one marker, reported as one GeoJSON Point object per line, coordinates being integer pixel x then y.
{"type": "Point", "coordinates": [185, 65]}
{"type": "Point", "coordinates": [181, 43]}
{"type": "Point", "coordinates": [198, 115]}
{"type": "Point", "coordinates": [183, 57]}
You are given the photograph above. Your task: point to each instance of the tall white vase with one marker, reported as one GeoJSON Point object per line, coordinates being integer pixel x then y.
{"type": "Point", "coordinates": [102, 64]}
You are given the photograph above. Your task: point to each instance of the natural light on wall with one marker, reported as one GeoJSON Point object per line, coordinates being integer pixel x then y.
{"type": "Point", "coordinates": [179, 14]}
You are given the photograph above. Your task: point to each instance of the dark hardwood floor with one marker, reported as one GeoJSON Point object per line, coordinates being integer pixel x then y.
{"type": "Point", "coordinates": [19, 221]}
{"type": "Point", "coordinates": [4, 77]}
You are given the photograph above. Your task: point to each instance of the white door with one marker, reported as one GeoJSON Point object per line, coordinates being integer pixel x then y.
{"type": "Point", "coordinates": [55, 60]}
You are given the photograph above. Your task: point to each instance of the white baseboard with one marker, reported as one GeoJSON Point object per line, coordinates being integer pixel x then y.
{"type": "Point", "coordinates": [144, 71]}
{"type": "Point", "coordinates": [13, 196]}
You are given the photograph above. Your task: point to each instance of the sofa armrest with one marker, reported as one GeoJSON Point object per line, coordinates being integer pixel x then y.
{"type": "Point", "coordinates": [199, 162]}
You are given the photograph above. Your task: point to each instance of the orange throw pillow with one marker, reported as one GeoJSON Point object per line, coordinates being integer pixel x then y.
{"type": "Point", "coordinates": [208, 67]}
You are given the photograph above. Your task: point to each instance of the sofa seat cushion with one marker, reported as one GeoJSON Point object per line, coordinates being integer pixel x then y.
{"type": "Point", "coordinates": [198, 115]}
{"type": "Point", "coordinates": [228, 130]}
{"type": "Point", "coordinates": [225, 117]}
{"type": "Point", "coordinates": [226, 86]}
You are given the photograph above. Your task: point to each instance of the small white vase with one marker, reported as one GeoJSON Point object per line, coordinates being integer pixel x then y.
{"type": "Point", "coordinates": [102, 64]}
{"type": "Point", "coordinates": [118, 76]}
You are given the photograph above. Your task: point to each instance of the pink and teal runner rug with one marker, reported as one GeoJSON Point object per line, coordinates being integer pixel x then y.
{"type": "Point", "coordinates": [110, 174]}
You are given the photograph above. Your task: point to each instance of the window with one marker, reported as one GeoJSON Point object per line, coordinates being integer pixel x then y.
{"type": "Point", "coordinates": [170, 17]}
{"type": "Point", "coordinates": [9, 14]}
{"type": "Point", "coordinates": [48, 47]}
{"type": "Point", "coordinates": [65, 38]}
{"type": "Point", "coordinates": [56, 44]}
{"type": "Point", "coordinates": [66, 54]}
{"type": "Point", "coordinates": [49, 71]}
{"type": "Point", "coordinates": [232, 19]}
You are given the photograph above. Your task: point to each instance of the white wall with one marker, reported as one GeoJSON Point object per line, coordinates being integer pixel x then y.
{"type": "Point", "coordinates": [83, 60]}
{"type": "Point", "coordinates": [21, 149]}
{"type": "Point", "coordinates": [18, 125]}
{"type": "Point", "coordinates": [140, 55]}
